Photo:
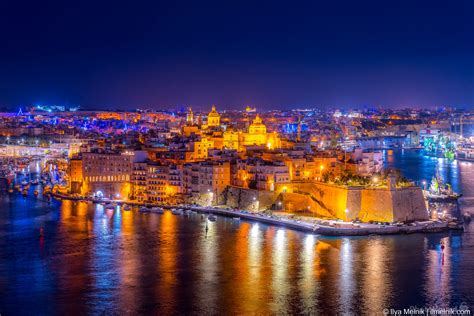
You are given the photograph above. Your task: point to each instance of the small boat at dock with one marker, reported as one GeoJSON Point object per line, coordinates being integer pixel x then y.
{"type": "Point", "coordinates": [177, 211]}
{"type": "Point", "coordinates": [157, 210]}
{"type": "Point", "coordinates": [144, 209]}
{"type": "Point", "coordinates": [212, 218]}
{"type": "Point", "coordinates": [127, 207]}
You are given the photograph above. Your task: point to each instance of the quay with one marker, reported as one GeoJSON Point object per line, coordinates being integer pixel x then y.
{"type": "Point", "coordinates": [319, 227]}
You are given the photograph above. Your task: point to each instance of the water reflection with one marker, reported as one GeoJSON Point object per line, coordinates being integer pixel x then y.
{"type": "Point", "coordinates": [308, 285]}
{"type": "Point", "coordinates": [347, 275]}
{"type": "Point", "coordinates": [438, 272]}
{"type": "Point", "coordinates": [208, 267]}
{"type": "Point", "coordinates": [167, 262]}
{"type": "Point", "coordinates": [279, 282]}
{"type": "Point", "coordinates": [376, 281]}
{"type": "Point", "coordinates": [93, 260]}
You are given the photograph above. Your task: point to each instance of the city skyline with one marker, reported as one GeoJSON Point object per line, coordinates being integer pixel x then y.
{"type": "Point", "coordinates": [246, 157]}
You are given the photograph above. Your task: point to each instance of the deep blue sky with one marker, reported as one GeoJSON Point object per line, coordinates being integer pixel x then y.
{"type": "Point", "coordinates": [271, 54]}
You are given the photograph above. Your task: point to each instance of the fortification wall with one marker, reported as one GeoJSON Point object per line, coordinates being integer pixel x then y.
{"type": "Point", "coordinates": [324, 200]}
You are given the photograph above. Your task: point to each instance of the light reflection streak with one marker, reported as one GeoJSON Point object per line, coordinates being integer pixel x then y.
{"type": "Point", "coordinates": [375, 279]}
{"type": "Point", "coordinates": [437, 284]}
{"type": "Point", "coordinates": [308, 284]}
{"type": "Point", "coordinates": [279, 284]}
{"type": "Point", "coordinates": [208, 267]}
{"type": "Point", "coordinates": [167, 264]}
{"type": "Point", "coordinates": [103, 263]}
{"type": "Point", "coordinates": [255, 252]}
{"type": "Point", "coordinates": [346, 281]}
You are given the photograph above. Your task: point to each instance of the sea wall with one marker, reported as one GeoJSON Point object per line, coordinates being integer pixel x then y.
{"type": "Point", "coordinates": [330, 201]}
{"type": "Point", "coordinates": [366, 204]}
{"type": "Point", "coordinates": [249, 199]}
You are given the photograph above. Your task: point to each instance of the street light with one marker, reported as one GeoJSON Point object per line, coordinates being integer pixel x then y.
{"type": "Point", "coordinates": [375, 179]}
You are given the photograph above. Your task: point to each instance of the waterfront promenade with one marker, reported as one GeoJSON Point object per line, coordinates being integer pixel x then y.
{"type": "Point", "coordinates": [316, 226]}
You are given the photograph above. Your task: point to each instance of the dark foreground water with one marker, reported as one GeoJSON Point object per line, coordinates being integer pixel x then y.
{"type": "Point", "coordinates": [93, 261]}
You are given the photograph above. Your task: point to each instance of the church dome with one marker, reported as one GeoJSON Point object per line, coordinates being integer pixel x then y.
{"type": "Point", "coordinates": [257, 126]}
{"type": "Point", "coordinates": [213, 112]}
{"type": "Point", "coordinates": [213, 118]}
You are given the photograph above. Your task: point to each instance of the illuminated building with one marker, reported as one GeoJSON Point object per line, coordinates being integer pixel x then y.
{"type": "Point", "coordinates": [260, 174]}
{"type": "Point", "coordinates": [213, 118]}
{"type": "Point", "coordinates": [257, 135]}
{"type": "Point", "coordinates": [190, 117]}
{"type": "Point", "coordinates": [107, 174]}
{"type": "Point", "coordinates": [200, 147]}
{"type": "Point", "coordinates": [139, 181]}
{"type": "Point", "coordinates": [249, 109]}
{"type": "Point", "coordinates": [206, 180]}
{"type": "Point", "coordinates": [157, 183]}
{"type": "Point", "coordinates": [109, 116]}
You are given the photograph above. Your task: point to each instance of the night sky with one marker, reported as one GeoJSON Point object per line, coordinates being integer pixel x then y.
{"type": "Point", "coordinates": [233, 53]}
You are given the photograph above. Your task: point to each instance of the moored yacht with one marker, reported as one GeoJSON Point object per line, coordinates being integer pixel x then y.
{"type": "Point", "coordinates": [157, 210]}
{"type": "Point", "coordinates": [177, 211]}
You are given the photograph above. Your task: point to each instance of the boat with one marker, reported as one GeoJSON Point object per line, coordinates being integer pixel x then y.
{"type": "Point", "coordinates": [127, 207]}
{"type": "Point", "coordinates": [157, 210]}
{"type": "Point", "coordinates": [110, 207]}
{"type": "Point", "coordinates": [212, 218]}
{"type": "Point", "coordinates": [440, 192]}
{"type": "Point", "coordinates": [236, 218]}
{"type": "Point", "coordinates": [144, 209]}
{"type": "Point", "coordinates": [24, 182]}
{"type": "Point", "coordinates": [455, 225]}
{"type": "Point", "coordinates": [177, 211]}
{"type": "Point", "coordinates": [34, 182]}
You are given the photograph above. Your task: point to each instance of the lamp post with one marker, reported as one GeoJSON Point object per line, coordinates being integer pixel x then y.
{"type": "Point", "coordinates": [375, 180]}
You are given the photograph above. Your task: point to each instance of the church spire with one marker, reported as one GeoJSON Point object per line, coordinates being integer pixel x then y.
{"type": "Point", "coordinates": [190, 117]}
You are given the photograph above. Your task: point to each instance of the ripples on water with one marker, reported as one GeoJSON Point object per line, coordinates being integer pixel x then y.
{"type": "Point", "coordinates": [92, 260]}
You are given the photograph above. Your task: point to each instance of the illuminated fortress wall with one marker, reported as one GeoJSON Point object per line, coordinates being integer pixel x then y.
{"type": "Point", "coordinates": [330, 201]}
{"type": "Point", "coordinates": [381, 204]}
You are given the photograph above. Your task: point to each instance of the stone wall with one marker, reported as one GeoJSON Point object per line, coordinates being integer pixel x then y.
{"type": "Point", "coordinates": [380, 204]}
{"type": "Point", "coordinates": [330, 201]}
{"type": "Point", "coordinates": [248, 199]}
